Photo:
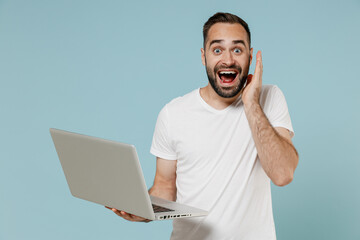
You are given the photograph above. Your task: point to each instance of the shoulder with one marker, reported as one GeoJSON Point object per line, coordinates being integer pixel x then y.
{"type": "Point", "coordinates": [269, 89]}
{"type": "Point", "coordinates": [271, 97]}
{"type": "Point", "coordinates": [176, 110]}
{"type": "Point", "coordinates": [183, 101]}
{"type": "Point", "coordinates": [178, 105]}
{"type": "Point", "coordinates": [268, 97]}
{"type": "Point", "coordinates": [268, 93]}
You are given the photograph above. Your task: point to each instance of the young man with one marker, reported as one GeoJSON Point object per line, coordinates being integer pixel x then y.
{"type": "Point", "coordinates": [219, 146]}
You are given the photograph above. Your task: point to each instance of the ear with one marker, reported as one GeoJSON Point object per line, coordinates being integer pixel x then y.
{"type": "Point", "coordinates": [203, 56]}
{"type": "Point", "coordinates": [251, 55]}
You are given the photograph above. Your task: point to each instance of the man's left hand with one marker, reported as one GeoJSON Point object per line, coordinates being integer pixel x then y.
{"type": "Point", "coordinates": [251, 94]}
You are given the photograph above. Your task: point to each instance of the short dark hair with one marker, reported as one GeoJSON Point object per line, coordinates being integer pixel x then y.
{"type": "Point", "coordinates": [222, 17]}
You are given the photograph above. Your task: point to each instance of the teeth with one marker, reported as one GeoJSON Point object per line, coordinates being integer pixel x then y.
{"type": "Point", "coordinates": [227, 72]}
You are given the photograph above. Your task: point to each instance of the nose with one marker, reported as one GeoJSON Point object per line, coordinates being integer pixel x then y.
{"type": "Point", "coordinates": [228, 58]}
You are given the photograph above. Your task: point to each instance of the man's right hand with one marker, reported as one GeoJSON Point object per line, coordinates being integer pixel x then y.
{"type": "Point", "coordinates": [128, 216]}
{"type": "Point", "coordinates": [164, 187]}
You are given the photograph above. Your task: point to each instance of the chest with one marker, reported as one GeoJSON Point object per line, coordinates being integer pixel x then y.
{"type": "Point", "coordinates": [206, 139]}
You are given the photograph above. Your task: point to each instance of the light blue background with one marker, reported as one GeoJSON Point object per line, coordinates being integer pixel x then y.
{"type": "Point", "coordinates": [106, 68]}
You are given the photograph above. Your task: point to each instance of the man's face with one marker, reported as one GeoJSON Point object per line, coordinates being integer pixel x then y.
{"type": "Point", "coordinates": [227, 57]}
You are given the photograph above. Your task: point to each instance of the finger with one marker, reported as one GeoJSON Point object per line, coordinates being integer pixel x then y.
{"type": "Point", "coordinates": [258, 70]}
{"type": "Point", "coordinates": [128, 216]}
{"type": "Point", "coordinates": [249, 79]}
{"type": "Point", "coordinates": [261, 65]}
{"type": "Point", "coordinates": [136, 218]}
{"type": "Point", "coordinates": [258, 66]}
{"type": "Point", "coordinates": [121, 214]}
{"type": "Point", "coordinates": [131, 217]}
{"type": "Point", "coordinates": [125, 215]}
{"type": "Point", "coordinates": [117, 212]}
{"type": "Point", "coordinates": [258, 56]}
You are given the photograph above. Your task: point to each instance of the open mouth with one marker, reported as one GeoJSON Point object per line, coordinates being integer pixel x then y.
{"type": "Point", "coordinates": [227, 76]}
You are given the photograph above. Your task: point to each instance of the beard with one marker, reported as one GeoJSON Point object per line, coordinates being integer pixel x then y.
{"type": "Point", "coordinates": [227, 92]}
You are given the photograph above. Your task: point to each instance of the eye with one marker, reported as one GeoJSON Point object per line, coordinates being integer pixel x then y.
{"type": "Point", "coordinates": [217, 50]}
{"type": "Point", "coordinates": [237, 50]}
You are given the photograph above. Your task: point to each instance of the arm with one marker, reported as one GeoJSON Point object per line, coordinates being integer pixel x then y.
{"type": "Point", "coordinates": [164, 187]}
{"type": "Point", "coordinates": [277, 154]}
{"type": "Point", "coordinates": [165, 179]}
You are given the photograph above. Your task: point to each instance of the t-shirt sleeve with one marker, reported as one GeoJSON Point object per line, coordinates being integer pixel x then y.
{"type": "Point", "coordinates": [276, 109]}
{"type": "Point", "coordinates": [161, 144]}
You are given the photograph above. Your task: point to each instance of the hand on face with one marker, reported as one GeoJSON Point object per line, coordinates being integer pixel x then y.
{"type": "Point", "coordinates": [127, 216]}
{"type": "Point", "coordinates": [251, 93]}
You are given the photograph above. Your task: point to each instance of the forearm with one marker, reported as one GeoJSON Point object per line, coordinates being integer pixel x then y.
{"type": "Point", "coordinates": [277, 155]}
{"type": "Point", "coordinates": [164, 189]}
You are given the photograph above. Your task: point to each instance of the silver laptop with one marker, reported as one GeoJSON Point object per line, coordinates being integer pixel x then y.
{"type": "Point", "coordinates": [109, 173]}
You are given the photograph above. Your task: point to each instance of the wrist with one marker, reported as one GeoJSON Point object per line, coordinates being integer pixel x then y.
{"type": "Point", "coordinates": [250, 106]}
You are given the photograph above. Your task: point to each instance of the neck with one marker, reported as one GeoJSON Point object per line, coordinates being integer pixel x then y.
{"type": "Point", "coordinates": [214, 100]}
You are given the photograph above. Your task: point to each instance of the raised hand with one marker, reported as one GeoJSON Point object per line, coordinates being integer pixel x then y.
{"type": "Point", "coordinates": [252, 90]}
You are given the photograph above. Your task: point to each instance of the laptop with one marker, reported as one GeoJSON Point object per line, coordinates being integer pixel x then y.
{"type": "Point", "coordinates": [109, 173]}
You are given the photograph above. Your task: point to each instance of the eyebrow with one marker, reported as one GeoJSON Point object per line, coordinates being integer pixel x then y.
{"type": "Point", "coordinates": [221, 40]}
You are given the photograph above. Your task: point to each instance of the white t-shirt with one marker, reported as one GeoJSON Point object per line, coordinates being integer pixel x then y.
{"type": "Point", "coordinates": [218, 169]}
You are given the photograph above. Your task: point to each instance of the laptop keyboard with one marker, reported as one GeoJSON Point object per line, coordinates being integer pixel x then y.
{"type": "Point", "coordinates": [158, 209]}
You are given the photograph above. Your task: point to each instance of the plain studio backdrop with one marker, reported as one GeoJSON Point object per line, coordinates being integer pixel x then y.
{"type": "Point", "coordinates": [106, 68]}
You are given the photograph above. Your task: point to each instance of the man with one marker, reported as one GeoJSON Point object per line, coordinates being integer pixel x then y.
{"type": "Point", "coordinates": [219, 146]}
